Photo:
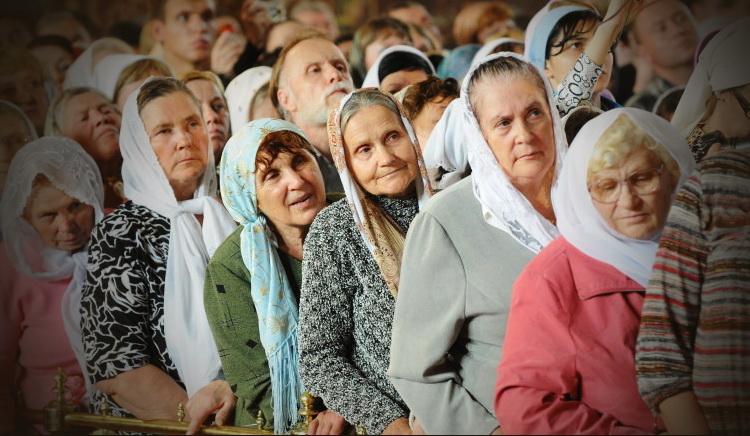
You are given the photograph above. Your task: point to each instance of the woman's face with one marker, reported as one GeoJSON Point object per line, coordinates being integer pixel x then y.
{"type": "Point", "coordinates": [91, 121]}
{"type": "Point", "coordinates": [290, 191]}
{"type": "Point", "coordinates": [215, 113]}
{"type": "Point", "coordinates": [179, 139]}
{"type": "Point", "coordinates": [379, 152]}
{"type": "Point", "coordinates": [62, 221]}
{"type": "Point", "coordinates": [426, 119]}
{"type": "Point", "coordinates": [516, 122]}
{"type": "Point", "coordinates": [560, 63]}
{"type": "Point", "coordinates": [638, 216]}
{"type": "Point", "coordinates": [385, 39]}
{"type": "Point", "coordinates": [15, 134]}
{"type": "Point", "coordinates": [399, 80]}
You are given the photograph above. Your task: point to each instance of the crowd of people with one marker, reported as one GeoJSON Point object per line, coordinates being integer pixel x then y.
{"type": "Point", "coordinates": [526, 229]}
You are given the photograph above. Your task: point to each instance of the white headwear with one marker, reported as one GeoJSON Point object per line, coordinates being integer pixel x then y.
{"type": "Point", "coordinates": [510, 209]}
{"type": "Point", "coordinates": [490, 46]}
{"type": "Point", "coordinates": [240, 93]}
{"type": "Point", "coordinates": [81, 71]}
{"type": "Point", "coordinates": [723, 64]}
{"type": "Point", "coordinates": [577, 218]}
{"type": "Point", "coordinates": [373, 79]}
{"type": "Point", "coordinates": [445, 154]}
{"type": "Point", "coordinates": [188, 335]}
{"type": "Point", "coordinates": [108, 70]}
{"type": "Point", "coordinates": [70, 169]}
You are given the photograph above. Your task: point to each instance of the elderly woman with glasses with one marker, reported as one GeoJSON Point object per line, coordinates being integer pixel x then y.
{"type": "Point", "coordinates": [568, 362]}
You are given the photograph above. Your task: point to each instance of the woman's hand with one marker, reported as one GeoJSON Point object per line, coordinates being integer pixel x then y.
{"type": "Point", "coordinates": [398, 426]}
{"type": "Point", "coordinates": [328, 422]}
{"type": "Point", "coordinates": [217, 397]}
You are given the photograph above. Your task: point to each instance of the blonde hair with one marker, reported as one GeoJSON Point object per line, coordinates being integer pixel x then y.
{"type": "Point", "coordinates": [140, 70]}
{"type": "Point", "coordinates": [620, 139]}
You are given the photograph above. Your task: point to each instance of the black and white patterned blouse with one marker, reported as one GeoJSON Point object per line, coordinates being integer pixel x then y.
{"type": "Point", "coordinates": [346, 313]}
{"type": "Point", "coordinates": [122, 305]}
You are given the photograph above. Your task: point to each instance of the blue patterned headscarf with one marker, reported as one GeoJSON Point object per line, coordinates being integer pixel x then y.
{"type": "Point", "coordinates": [269, 286]}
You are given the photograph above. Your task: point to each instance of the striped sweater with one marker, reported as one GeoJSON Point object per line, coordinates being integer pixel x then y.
{"type": "Point", "coordinates": [695, 328]}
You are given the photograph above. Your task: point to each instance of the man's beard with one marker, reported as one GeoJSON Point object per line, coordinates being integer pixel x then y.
{"type": "Point", "coordinates": [315, 113]}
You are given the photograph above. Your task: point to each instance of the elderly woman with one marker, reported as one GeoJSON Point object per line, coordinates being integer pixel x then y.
{"type": "Point", "coordinates": [88, 117]}
{"type": "Point", "coordinates": [573, 44]}
{"type": "Point", "coordinates": [209, 90]}
{"type": "Point", "coordinates": [398, 67]}
{"type": "Point", "coordinates": [51, 203]}
{"type": "Point", "coordinates": [469, 244]}
{"type": "Point", "coordinates": [692, 357]}
{"type": "Point", "coordinates": [568, 364]}
{"type": "Point", "coordinates": [147, 340]}
{"type": "Point", "coordinates": [351, 262]}
{"type": "Point", "coordinates": [271, 184]}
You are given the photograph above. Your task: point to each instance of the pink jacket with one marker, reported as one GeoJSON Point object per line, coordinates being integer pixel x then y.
{"type": "Point", "coordinates": [568, 362]}
{"type": "Point", "coordinates": [33, 342]}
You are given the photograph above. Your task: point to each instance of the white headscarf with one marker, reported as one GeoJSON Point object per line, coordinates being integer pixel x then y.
{"type": "Point", "coordinates": [490, 46]}
{"type": "Point", "coordinates": [108, 70]}
{"type": "Point", "coordinates": [577, 217]}
{"type": "Point", "coordinates": [67, 165]}
{"type": "Point", "coordinates": [240, 93]}
{"type": "Point", "coordinates": [509, 209]}
{"type": "Point", "coordinates": [373, 79]}
{"type": "Point", "coordinates": [81, 71]}
{"type": "Point", "coordinates": [445, 154]}
{"type": "Point", "coordinates": [723, 64]}
{"type": "Point", "coordinates": [189, 339]}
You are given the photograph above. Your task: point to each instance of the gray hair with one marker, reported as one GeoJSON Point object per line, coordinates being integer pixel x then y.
{"type": "Point", "coordinates": [52, 125]}
{"type": "Point", "coordinates": [363, 99]}
{"type": "Point", "coordinates": [505, 67]}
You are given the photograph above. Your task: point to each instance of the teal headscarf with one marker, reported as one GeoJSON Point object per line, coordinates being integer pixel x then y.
{"type": "Point", "coordinates": [269, 286]}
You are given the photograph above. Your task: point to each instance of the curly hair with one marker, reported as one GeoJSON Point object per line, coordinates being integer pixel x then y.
{"type": "Point", "coordinates": [419, 94]}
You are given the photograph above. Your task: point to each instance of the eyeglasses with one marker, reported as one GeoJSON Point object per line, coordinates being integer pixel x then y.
{"type": "Point", "coordinates": [641, 182]}
{"type": "Point", "coordinates": [742, 101]}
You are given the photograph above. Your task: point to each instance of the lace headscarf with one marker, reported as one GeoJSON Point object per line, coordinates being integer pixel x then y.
{"type": "Point", "coordinates": [188, 335]}
{"type": "Point", "coordinates": [240, 93]}
{"type": "Point", "coordinates": [380, 234]}
{"type": "Point", "coordinates": [508, 208]}
{"type": "Point", "coordinates": [271, 292]}
{"type": "Point", "coordinates": [577, 217]}
{"type": "Point", "coordinates": [69, 168]}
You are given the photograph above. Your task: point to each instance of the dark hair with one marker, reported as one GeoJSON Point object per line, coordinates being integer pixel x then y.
{"type": "Point", "coordinates": [402, 61]}
{"type": "Point", "coordinates": [275, 143]}
{"type": "Point", "coordinates": [56, 40]}
{"type": "Point", "coordinates": [419, 94]}
{"type": "Point", "coordinates": [576, 120]}
{"type": "Point", "coordinates": [568, 27]}
{"type": "Point", "coordinates": [161, 87]}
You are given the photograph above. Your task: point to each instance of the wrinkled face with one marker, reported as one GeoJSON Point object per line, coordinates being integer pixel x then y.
{"type": "Point", "coordinates": [426, 119]}
{"type": "Point", "coordinates": [25, 89]}
{"type": "Point", "coordinates": [638, 216]}
{"type": "Point", "coordinates": [320, 20]}
{"type": "Point", "coordinates": [385, 39]}
{"type": "Point", "coordinates": [56, 60]}
{"type": "Point", "coordinates": [179, 139]}
{"type": "Point", "coordinates": [560, 63]}
{"type": "Point", "coordinates": [314, 78]}
{"type": "Point", "coordinates": [62, 221]}
{"type": "Point", "coordinates": [215, 113]}
{"type": "Point", "coordinates": [91, 121]}
{"type": "Point", "coordinates": [13, 136]}
{"type": "Point", "coordinates": [186, 31]}
{"type": "Point", "coordinates": [399, 80]}
{"type": "Point", "coordinates": [515, 120]}
{"type": "Point", "coordinates": [379, 152]}
{"type": "Point", "coordinates": [666, 34]}
{"type": "Point", "coordinates": [290, 190]}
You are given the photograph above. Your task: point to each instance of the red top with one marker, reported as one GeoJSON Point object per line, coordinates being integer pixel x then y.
{"type": "Point", "coordinates": [568, 362]}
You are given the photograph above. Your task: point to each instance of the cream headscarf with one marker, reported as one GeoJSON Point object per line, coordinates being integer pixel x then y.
{"type": "Point", "coordinates": [67, 165]}
{"type": "Point", "coordinates": [240, 93]}
{"type": "Point", "coordinates": [381, 236]}
{"type": "Point", "coordinates": [577, 218]}
{"type": "Point", "coordinates": [507, 207]}
{"type": "Point", "coordinates": [188, 335]}
{"type": "Point", "coordinates": [723, 64]}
